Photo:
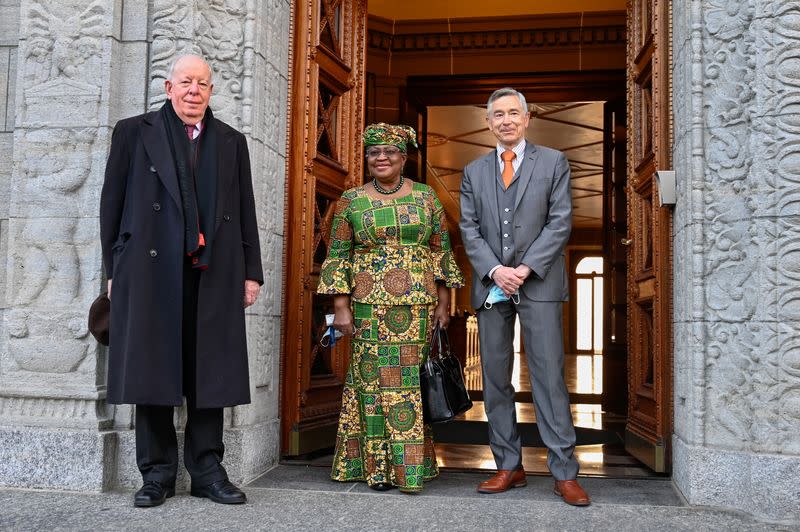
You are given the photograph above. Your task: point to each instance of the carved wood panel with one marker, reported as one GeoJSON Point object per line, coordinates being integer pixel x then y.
{"type": "Point", "coordinates": [649, 426]}
{"type": "Point", "coordinates": [324, 159]}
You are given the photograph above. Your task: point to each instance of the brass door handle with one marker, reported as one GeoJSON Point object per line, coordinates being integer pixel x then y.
{"type": "Point", "coordinates": [626, 241]}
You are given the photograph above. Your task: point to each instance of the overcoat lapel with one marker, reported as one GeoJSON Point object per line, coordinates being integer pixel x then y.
{"type": "Point", "coordinates": [526, 171]}
{"type": "Point", "coordinates": [154, 138]}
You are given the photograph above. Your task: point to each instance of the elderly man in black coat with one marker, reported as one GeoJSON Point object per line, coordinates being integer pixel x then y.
{"type": "Point", "coordinates": [180, 247]}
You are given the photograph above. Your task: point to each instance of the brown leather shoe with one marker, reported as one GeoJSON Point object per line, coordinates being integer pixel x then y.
{"type": "Point", "coordinates": [503, 480]}
{"type": "Point", "coordinates": [571, 492]}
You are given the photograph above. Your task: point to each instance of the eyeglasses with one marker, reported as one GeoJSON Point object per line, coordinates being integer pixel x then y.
{"type": "Point", "coordinates": [374, 153]}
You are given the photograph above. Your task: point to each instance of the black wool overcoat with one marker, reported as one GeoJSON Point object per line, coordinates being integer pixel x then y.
{"type": "Point", "coordinates": [142, 234]}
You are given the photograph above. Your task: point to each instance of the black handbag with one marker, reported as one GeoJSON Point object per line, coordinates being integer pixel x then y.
{"type": "Point", "coordinates": [444, 394]}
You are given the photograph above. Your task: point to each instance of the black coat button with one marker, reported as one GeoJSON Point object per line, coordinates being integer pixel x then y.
{"type": "Point", "coordinates": [227, 217]}
{"type": "Point", "coordinates": [153, 253]}
{"type": "Point", "coordinates": [152, 168]}
{"type": "Point", "coordinates": [156, 206]}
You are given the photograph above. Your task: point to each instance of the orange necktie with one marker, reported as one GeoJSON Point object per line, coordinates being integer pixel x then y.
{"type": "Point", "coordinates": [508, 168]}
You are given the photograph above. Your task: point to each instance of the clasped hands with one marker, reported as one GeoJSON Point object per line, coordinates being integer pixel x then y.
{"type": "Point", "coordinates": [510, 279]}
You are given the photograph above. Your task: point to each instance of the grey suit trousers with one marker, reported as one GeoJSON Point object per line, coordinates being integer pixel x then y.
{"type": "Point", "coordinates": [544, 350]}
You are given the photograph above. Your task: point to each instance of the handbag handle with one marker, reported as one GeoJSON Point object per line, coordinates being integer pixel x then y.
{"type": "Point", "coordinates": [441, 341]}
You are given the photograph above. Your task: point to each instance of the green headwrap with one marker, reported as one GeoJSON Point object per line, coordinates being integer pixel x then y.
{"type": "Point", "coordinates": [390, 135]}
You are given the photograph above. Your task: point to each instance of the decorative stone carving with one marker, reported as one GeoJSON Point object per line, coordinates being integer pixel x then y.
{"type": "Point", "coordinates": [750, 241]}
{"type": "Point", "coordinates": [61, 58]}
{"type": "Point", "coordinates": [172, 34]}
{"type": "Point", "coordinates": [220, 31]}
{"type": "Point", "coordinates": [730, 249]}
{"type": "Point", "coordinates": [46, 408]}
{"type": "Point", "coordinates": [62, 55]}
{"type": "Point", "coordinates": [53, 165]}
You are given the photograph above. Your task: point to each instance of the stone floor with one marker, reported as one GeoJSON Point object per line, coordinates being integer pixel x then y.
{"type": "Point", "coordinates": [302, 498]}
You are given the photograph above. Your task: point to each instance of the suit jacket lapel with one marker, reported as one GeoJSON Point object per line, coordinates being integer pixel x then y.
{"type": "Point", "coordinates": [526, 171]}
{"type": "Point", "coordinates": [490, 180]}
{"type": "Point", "coordinates": [154, 138]}
{"type": "Point", "coordinates": [226, 163]}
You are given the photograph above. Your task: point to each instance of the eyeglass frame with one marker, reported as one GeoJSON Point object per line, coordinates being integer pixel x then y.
{"type": "Point", "coordinates": [389, 152]}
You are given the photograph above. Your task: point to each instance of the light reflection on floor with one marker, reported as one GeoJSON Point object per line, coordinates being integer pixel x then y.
{"type": "Point", "coordinates": [594, 460]}
{"type": "Point", "coordinates": [583, 415]}
{"type": "Point", "coordinates": [582, 374]}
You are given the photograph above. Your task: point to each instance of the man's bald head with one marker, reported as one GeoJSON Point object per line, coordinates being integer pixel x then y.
{"type": "Point", "coordinates": [183, 61]}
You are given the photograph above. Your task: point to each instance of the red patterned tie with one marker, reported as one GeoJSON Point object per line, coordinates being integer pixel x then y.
{"type": "Point", "coordinates": [190, 131]}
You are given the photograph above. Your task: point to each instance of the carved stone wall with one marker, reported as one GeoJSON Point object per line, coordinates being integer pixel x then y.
{"type": "Point", "coordinates": [73, 68]}
{"type": "Point", "coordinates": [737, 288]}
{"type": "Point", "coordinates": [9, 39]}
{"type": "Point", "coordinates": [50, 233]}
{"type": "Point", "coordinates": [64, 100]}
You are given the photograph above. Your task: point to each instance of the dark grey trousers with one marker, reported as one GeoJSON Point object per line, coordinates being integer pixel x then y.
{"type": "Point", "coordinates": [544, 350]}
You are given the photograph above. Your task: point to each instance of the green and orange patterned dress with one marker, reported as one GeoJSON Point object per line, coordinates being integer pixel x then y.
{"type": "Point", "coordinates": [388, 255]}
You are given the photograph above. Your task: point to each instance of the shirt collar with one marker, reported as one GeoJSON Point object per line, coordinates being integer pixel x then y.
{"type": "Point", "coordinates": [519, 150]}
{"type": "Point", "coordinates": [198, 128]}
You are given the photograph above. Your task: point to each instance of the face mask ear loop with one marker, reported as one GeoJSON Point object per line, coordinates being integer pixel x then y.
{"type": "Point", "coordinates": [516, 301]}
{"type": "Point", "coordinates": [487, 305]}
{"type": "Point", "coordinates": [330, 336]}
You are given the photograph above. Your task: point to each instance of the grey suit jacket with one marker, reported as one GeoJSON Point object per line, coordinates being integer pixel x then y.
{"type": "Point", "coordinates": [542, 222]}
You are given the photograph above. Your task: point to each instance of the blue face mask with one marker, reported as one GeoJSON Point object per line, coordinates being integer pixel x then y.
{"type": "Point", "coordinates": [496, 295]}
{"type": "Point", "coordinates": [331, 334]}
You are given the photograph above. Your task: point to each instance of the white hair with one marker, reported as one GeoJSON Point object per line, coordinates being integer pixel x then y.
{"type": "Point", "coordinates": [171, 71]}
{"type": "Point", "coordinates": [505, 91]}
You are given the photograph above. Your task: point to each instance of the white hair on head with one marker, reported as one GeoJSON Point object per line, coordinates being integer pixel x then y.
{"type": "Point", "coordinates": [505, 91]}
{"type": "Point", "coordinates": [175, 61]}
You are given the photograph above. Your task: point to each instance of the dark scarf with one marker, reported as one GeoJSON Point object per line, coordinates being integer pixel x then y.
{"type": "Point", "coordinates": [196, 168]}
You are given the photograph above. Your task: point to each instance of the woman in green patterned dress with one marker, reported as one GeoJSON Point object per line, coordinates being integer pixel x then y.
{"type": "Point", "coordinates": [390, 268]}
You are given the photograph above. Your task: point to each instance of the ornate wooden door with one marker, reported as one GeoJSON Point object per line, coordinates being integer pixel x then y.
{"type": "Point", "coordinates": [324, 159]}
{"type": "Point", "coordinates": [649, 426]}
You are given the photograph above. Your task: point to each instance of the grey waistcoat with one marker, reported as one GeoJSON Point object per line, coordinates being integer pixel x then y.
{"type": "Point", "coordinates": [505, 206]}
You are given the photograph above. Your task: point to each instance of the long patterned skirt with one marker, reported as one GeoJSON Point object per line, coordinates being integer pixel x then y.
{"type": "Point", "coordinates": [381, 436]}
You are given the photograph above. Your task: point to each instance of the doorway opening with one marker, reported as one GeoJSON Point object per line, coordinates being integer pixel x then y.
{"type": "Point", "coordinates": [435, 75]}
{"type": "Point", "coordinates": [575, 123]}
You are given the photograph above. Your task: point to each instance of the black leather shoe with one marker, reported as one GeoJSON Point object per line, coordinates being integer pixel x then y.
{"type": "Point", "coordinates": [381, 486]}
{"type": "Point", "coordinates": [152, 493]}
{"type": "Point", "coordinates": [221, 491]}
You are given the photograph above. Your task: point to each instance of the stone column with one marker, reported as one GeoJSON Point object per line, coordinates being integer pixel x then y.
{"type": "Point", "coordinates": [70, 90]}
{"type": "Point", "coordinates": [9, 39]}
{"type": "Point", "coordinates": [256, 427]}
{"type": "Point", "coordinates": [82, 67]}
{"type": "Point", "coordinates": [736, 95]}
{"type": "Point", "coordinates": [246, 42]}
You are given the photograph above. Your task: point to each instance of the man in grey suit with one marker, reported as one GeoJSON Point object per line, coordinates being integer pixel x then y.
{"type": "Point", "coordinates": [516, 217]}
